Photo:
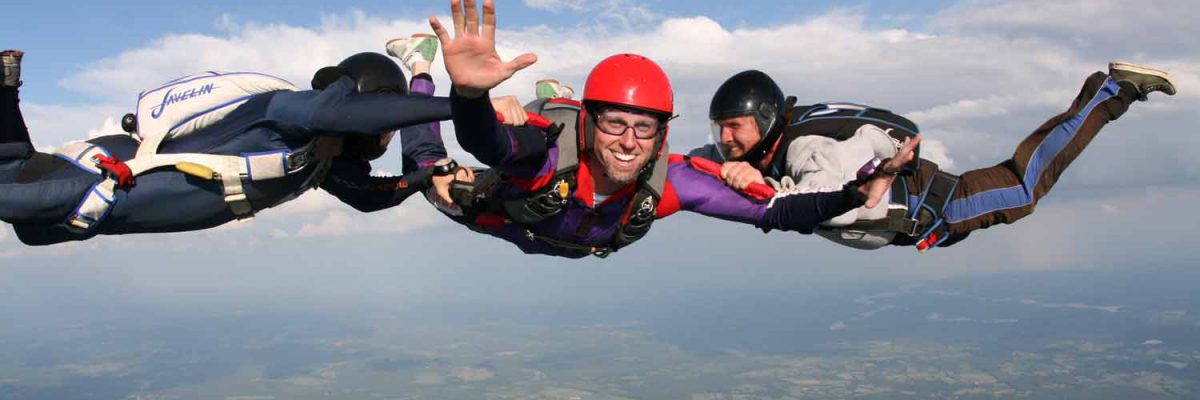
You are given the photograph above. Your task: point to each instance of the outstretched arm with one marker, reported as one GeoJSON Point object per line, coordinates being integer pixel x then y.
{"type": "Point", "coordinates": [338, 110]}
{"type": "Point", "coordinates": [352, 183]}
{"type": "Point", "coordinates": [706, 194]}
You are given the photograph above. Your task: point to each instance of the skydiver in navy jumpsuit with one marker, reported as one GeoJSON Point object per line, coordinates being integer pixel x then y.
{"type": "Point", "coordinates": [39, 191]}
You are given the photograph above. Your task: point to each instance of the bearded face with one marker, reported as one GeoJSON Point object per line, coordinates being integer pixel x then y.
{"type": "Point", "coordinates": [624, 144]}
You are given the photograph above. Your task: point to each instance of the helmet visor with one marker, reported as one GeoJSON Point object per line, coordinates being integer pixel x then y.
{"type": "Point", "coordinates": [722, 150]}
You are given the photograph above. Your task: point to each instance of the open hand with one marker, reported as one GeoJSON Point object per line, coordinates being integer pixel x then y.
{"type": "Point", "coordinates": [470, 56]}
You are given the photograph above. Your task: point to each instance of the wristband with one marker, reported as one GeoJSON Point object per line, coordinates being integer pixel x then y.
{"type": "Point", "coordinates": [445, 166]}
{"type": "Point", "coordinates": [884, 170]}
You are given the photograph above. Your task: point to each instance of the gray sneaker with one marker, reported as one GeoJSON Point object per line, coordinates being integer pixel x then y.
{"type": "Point", "coordinates": [11, 61]}
{"type": "Point", "coordinates": [1147, 80]}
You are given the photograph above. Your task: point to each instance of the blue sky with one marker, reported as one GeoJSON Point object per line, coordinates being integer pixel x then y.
{"type": "Point", "coordinates": [977, 76]}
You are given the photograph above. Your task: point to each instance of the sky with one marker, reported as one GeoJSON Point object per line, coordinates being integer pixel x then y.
{"type": "Point", "coordinates": [975, 75]}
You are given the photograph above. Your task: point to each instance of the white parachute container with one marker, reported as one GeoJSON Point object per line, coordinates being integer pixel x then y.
{"type": "Point", "coordinates": [188, 104]}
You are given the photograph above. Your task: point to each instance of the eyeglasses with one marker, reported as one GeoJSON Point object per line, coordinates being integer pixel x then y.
{"type": "Point", "coordinates": [617, 127]}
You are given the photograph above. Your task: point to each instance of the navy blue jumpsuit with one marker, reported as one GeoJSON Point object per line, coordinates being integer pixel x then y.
{"type": "Point", "coordinates": [38, 192]}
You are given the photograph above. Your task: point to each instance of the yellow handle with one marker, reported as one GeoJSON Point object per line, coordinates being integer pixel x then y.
{"type": "Point", "coordinates": [564, 189]}
{"type": "Point", "coordinates": [196, 170]}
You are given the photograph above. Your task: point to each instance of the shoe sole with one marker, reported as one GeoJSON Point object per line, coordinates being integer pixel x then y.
{"type": "Point", "coordinates": [10, 58]}
{"type": "Point", "coordinates": [1142, 69]}
{"type": "Point", "coordinates": [388, 45]}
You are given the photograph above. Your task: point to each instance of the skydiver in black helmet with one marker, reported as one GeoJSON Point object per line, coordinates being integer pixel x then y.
{"type": "Point", "coordinates": [268, 149]}
{"type": "Point", "coordinates": [759, 133]}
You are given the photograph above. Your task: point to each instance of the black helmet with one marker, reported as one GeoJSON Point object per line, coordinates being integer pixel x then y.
{"type": "Point", "coordinates": [371, 72]}
{"type": "Point", "coordinates": [752, 93]}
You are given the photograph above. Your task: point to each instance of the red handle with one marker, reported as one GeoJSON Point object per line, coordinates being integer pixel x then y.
{"type": "Point", "coordinates": [116, 169]}
{"type": "Point", "coordinates": [759, 191]}
{"type": "Point", "coordinates": [534, 119]}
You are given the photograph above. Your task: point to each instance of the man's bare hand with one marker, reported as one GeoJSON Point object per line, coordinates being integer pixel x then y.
{"type": "Point", "coordinates": [878, 186]}
{"type": "Point", "coordinates": [441, 188]}
{"type": "Point", "coordinates": [471, 59]}
{"type": "Point", "coordinates": [740, 174]}
{"type": "Point", "coordinates": [510, 108]}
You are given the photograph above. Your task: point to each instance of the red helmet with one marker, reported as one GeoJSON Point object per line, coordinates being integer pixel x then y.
{"type": "Point", "coordinates": [627, 80]}
{"type": "Point", "coordinates": [630, 80]}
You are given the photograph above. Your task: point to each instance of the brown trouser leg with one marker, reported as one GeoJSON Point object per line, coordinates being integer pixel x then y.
{"type": "Point", "coordinates": [1011, 189]}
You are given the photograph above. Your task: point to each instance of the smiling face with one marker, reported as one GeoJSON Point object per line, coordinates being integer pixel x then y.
{"type": "Point", "coordinates": [736, 136]}
{"type": "Point", "coordinates": [623, 146]}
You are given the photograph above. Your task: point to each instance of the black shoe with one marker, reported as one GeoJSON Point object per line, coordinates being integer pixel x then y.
{"type": "Point", "coordinates": [11, 62]}
{"type": "Point", "coordinates": [1147, 80]}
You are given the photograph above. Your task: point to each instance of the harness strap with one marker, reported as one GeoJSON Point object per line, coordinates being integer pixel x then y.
{"type": "Point", "coordinates": [933, 202]}
{"type": "Point", "coordinates": [601, 252]}
{"type": "Point", "coordinates": [93, 208]}
{"type": "Point", "coordinates": [643, 207]}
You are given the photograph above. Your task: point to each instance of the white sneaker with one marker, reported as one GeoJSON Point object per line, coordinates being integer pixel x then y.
{"type": "Point", "coordinates": [420, 47]}
{"type": "Point", "coordinates": [565, 92]}
{"type": "Point", "coordinates": [10, 60]}
{"type": "Point", "coordinates": [551, 89]}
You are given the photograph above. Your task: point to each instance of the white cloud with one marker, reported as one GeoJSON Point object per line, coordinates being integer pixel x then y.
{"type": "Point", "coordinates": [1096, 25]}
{"type": "Point", "coordinates": [51, 125]}
{"type": "Point", "coordinates": [406, 217]}
{"type": "Point", "coordinates": [311, 202]}
{"type": "Point", "coordinates": [290, 52]}
{"type": "Point", "coordinates": [626, 13]}
{"type": "Point", "coordinates": [110, 126]}
{"type": "Point", "coordinates": [336, 223]}
{"type": "Point", "coordinates": [557, 5]}
{"type": "Point", "coordinates": [838, 326]}
{"type": "Point", "coordinates": [991, 106]}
